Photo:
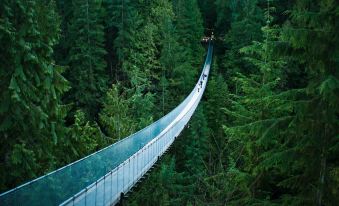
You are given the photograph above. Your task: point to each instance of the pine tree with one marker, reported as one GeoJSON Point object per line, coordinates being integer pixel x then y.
{"type": "Point", "coordinates": [137, 56]}
{"type": "Point", "coordinates": [165, 184]}
{"type": "Point", "coordinates": [246, 21]}
{"type": "Point", "coordinates": [316, 111]}
{"type": "Point", "coordinates": [286, 130]}
{"type": "Point", "coordinates": [217, 97]}
{"type": "Point", "coordinates": [31, 87]}
{"type": "Point", "coordinates": [87, 67]}
{"type": "Point", "coordinates": [61, 49]}
{"type": "Point", "coordinates": [175, 73]}
{"type": "Point", "coordinates": [223, 19]}
{"type": "Point", "coordinates": [84, 138]}
{"type": "Point", "coordinates": [208, 11]}
{"type": "Point", "coordinates": [190, 29]}
{"type": "Point", "coordinates": [115, 115]}
{"type": "Point", "coordinates": [191, 152]}
{"type": "Point", "coordinates": [125, 18]}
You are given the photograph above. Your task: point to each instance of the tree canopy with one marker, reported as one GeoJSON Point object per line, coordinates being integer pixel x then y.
{"type": "Point", "coordinates": [79, 75]}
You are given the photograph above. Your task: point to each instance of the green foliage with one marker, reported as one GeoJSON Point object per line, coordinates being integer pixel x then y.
{"type": "Point", "coordinates": [280, 134]}
{"type": "Point", "coordinates": [177, 75]}
{"type": "Point", "coordinates": [246, 22]}
{"type": "Point", "coordinates": [31, 113]}
{"type": "Point", "coordinates": [165, 184]}
{"type": "Point", "coordinates": [316, 112]}
{"type": "Point", "coordinates": [87, 67]}
{"type": "Point", "coordinates": [223, 16]}
{"type": "Point", "coordinates": [266, 133]}
{"type": "Point", "coordinates": [190, 29]}
{"type": "Point", "coordinates": [84, 138]}
{"type": "Point", "coordinates": [125, 111]}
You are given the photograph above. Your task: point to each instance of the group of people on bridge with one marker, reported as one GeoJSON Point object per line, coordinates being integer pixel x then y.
{"type": "Point", "coordinates": [206, 38]}
{"type": "Point", "coordinates": [201, 81]}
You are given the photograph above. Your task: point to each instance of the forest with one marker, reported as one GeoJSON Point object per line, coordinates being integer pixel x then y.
{"type": "Point", "coordinates": [79, 75]}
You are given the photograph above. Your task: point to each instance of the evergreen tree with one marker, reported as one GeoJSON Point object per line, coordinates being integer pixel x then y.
{"type": "Point", "coordinates": [125, 18]}
{"type": "Point", "coordinates": [87, 67]}
{"type": "Point", "coordinates": [175, 73]}
{"type": "Point", "coordinates": [84, 138]}
{"type": "Point", "coordinates": [31, 87]}
{"type": "Point", "coordinates": [284, 149]}
{"type": "Point", "coordinates": [165, 184]}
{"type": "Point", "coordinates": [316, 118]}
{"type": "Point", "coordinates": [190, 29]}
{"type": "Point", "coordinates": [208, 11]}
{"type": "Point", "coordinates": [246, 22]}
{"type": "Point", "coordinates": [61, 49]}
{"type": "Point", "coordinates": [265, 134]}
{"type": "Point", "coordinates": [193, 146]}
{"type": "Point", "coordinates": [115, 115]}
{"type": "Point", "coordinates": [223, 16]}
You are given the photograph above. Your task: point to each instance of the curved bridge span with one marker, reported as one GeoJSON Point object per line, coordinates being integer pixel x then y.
{"type": "Point", "coordinates": [102, 177]}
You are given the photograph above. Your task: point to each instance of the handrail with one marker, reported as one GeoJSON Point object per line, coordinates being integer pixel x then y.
{"type": "Point", "coordinates": [91, 170]}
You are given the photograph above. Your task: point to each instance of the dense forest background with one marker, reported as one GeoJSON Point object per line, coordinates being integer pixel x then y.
{"type": "Point", "coordinates": [78, 75]}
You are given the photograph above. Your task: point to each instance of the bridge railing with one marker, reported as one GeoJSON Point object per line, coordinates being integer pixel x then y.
{"type": "Point", "coordinates": [113, 170]}
{"type": "Point", "coordinates": [107, 190]}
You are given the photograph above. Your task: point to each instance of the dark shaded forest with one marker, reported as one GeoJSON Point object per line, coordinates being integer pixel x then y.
{"type": "Point", "coordinates": [79, 75]}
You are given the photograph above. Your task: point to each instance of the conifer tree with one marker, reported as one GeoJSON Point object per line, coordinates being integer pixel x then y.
{"type": "Point", "coordinates": [84, 138]}
{"type": "Point", "coordinates": [115, 115]}
{"type": "Point", "coordinates": [31, 114]}
{"type": "Point", "coordinates": [190, 28]}
{"type": "Point", "coordinates": [137, 58]}
{"type": "Point", "coordinates": [175, 73]}
{"type": "Point", "coordinates": [194, 147]}
{"type": "Point", "coordinates": [246, 21]}
{"type": "Point", "coordinates": [223, 16]}
{"type": "Point", "coordinates": [311, 38]}
{"type": "Point", "coordinates": [166, 186]}
{"type": "Point", "coordinates": [61, 49]}
{"type": "Point", "coordinates": [87, 67]}
{"type": "Point", "coordinates": [281, 127]}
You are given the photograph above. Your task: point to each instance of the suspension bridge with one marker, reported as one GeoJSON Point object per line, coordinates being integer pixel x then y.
{"type": "Point", "coordinates": [103, 177]}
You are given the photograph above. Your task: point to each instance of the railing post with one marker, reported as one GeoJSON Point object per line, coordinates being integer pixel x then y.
{"type": "Point", "coordinates": [156, 146]}
{"type": "Point", "coordinates": [111, 186]}
{"type": "Point", "coordinates": [143, 161]}
{"type": "Point", "coordinates": [104, 200]}
{"type": "Point", "coordinates": [96, 189]}
{"type": "Point", "coordinates": [117, 179]}
{"type": "Point", "coordinates": [153, 150]}
{"type": "Point", "coordinates": [133, 168]}
{"type": "Point", "coordinates": [149, 134]}
{"type": "Point", "coordinates": [147, 161]}
{"type": "Point", "coordinates": [160, 142]}
{"type": "Point", "coordinates": [138, 162]}
{"type": "Point", "coordinates": [123, 177]}
{"type": "Point", "coordinates": [86, 196]}
{"type": "Point", "coordinates": [129, 170]}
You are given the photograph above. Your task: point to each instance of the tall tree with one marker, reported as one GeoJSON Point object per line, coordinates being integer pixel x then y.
{"type": "Point", "coordinates": [190, 27]}
{"type": "Point", "coordinates": [246, 22]}
{"type": "Point", "coordinates": [286, 129]}
{"type": "Point", "coordinates": [31, 114]}
{"type": "Point", "coordinates": [317, 111]}
{"type": "Point", "coordinates": [87, 67]}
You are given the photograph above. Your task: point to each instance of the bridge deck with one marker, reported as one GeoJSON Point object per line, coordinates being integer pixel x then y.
{"type": "Point", "coordinates": [100, 178]}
